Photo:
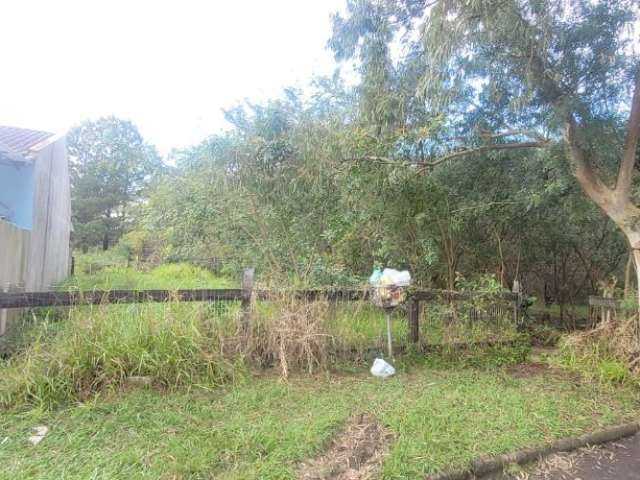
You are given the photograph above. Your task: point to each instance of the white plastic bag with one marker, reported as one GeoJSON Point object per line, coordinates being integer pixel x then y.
{"type": "Point", "coordinates": [391, 276]}
{"type": "Point", "coordinates": [382, 369]}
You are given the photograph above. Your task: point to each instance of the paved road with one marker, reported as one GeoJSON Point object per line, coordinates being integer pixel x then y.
{"type": "Point", "coordinates": [614, 461]}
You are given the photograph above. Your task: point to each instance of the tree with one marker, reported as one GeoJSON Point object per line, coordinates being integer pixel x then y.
{"type": "Point", "coordinates": [516, 74]}
{"type": "Point", "coordinates": [110, 167]}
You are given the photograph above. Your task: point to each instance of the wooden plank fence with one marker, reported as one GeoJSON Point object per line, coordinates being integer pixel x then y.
{"type": "Point", "coordinates": [603, 308]}
{"type": "Point", "coordinates": [244, 295]}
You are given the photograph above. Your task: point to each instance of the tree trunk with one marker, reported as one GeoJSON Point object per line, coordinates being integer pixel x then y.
{"type": "Point", "coordinates": [627, 274]}
{"type": "Point", "coordinates": [616, 202]}
{"type": "Point", "coordinates": [105, 241]}
{"type": "Point", "coordinates": [636, 258]}
{"type": "Point", "coordinates": [502, 267]}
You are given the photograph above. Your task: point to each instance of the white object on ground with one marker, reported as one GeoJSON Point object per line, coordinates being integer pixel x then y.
{"type": "Point", "coordinates": [382, 369]}
{"type": "Point", "coordinates": [39, 433]}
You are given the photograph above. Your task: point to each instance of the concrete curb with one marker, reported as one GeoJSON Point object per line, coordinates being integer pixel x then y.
{"type": "Point", "coordinates": [486, 465]}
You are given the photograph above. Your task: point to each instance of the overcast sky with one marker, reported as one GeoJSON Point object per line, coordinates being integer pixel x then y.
{"type": "Point", "coordinates": [170, 66]}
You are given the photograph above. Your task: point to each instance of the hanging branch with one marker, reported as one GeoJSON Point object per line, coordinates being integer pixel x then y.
{"type": "Point", "coordinates": [484, 148]}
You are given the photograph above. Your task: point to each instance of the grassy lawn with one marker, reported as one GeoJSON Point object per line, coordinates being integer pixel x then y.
{"type": "Point", "coordinates": [261, 428]}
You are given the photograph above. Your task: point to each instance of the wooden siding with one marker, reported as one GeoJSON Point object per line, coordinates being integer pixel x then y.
{"type": "Point", "coordinates": [14, 252]}
{"type": "Point", "coordinates": [49, 252]}
{"type": "Point", "coordinates": [37, 259]}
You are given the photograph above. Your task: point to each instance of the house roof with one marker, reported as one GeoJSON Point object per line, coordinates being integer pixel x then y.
{"type": "Point", "coordinates": [20, 144]}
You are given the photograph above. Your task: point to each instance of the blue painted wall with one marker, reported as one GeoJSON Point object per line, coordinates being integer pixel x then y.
{"type": "Point", "coordinates": [16, 193]}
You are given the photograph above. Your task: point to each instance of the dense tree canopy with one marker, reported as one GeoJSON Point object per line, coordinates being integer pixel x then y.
{"type": "Point", "coordinates": [110, 167]}
{"type": "Point", "coordinates": [454, 155]}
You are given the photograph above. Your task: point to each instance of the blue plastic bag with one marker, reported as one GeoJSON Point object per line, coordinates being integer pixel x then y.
{"type": "Point", "coordinates": [374, 279]}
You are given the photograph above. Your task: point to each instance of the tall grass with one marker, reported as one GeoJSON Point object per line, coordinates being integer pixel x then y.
{"type": "Point", "coordinates": [609, 352]}
{"type": "Point", "coordinates": [169, 276]}
{"type": "Point", "coordinates": [97, 348]}
{"type": "Point", "coordinates": [91, 349]}
{"type": "Point", "coordinates": [101, 347]}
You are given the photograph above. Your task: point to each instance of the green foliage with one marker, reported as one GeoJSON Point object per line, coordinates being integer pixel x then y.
{"type": "Point", "coordinates": [94, 260]}
{"type": "Point", "coordinates": [304, 192]}
{"type": "Point", "coordinates": [613, 371]}
{"type": "Point", "coordinates": [168, 276]}
{"type": "Point", "coordinates": [482, 356]}
{"type": "Point", "coordinates": [111, 165]}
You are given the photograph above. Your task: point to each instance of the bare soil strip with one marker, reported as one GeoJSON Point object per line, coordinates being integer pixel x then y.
{"type": "Point", "coordinates": [356, 453]}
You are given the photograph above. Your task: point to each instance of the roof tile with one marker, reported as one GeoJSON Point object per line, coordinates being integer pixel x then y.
{"type": "Point", "coordinates": [20, 143]}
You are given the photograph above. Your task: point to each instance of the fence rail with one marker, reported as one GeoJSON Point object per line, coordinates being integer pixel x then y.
{"type": "Point", "coordinates": [604, 308]}
{"type": "Point", "coordinates": [95, 297]}
{"type": "Point", "coordinates": [16, 300]}
{"type": "Point", "coordinates": [610, 303]}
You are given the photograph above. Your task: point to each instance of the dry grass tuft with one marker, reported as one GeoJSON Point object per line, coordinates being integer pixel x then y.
{"type": "Point", "coordinates": [292, 333]}
{"type": "Point", "coordinates": [611, 338]}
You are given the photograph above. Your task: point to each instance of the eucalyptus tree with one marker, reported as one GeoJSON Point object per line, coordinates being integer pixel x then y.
{"type": "Point", "coordinates": [509, 75]}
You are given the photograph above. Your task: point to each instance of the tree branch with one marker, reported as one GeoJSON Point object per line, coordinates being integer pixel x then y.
{"type": "Point", "coordinates": [530, 134]}
{"type": "Point", "coordinates": [625, 173]}
{"type": "Point", "coordinates": [484, 148]}
{"type": "Point", "coordinates": [453, 155]}
{"type": "Point", "coordinates": [584, 173]}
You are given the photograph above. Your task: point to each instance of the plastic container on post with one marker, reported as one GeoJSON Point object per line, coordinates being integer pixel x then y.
{"type": "Point", "coordinates": [388, 292]}
{"type": "Point", "coordinates": [389, 287]}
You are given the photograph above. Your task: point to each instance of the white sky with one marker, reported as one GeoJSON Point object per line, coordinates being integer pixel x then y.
{"type": "Point", "coordinates": [170, 66]}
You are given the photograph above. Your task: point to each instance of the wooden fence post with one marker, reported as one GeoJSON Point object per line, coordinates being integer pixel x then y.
{"type": "Point", "coordinates": [413, 318]}
{"type": "Point", "coordinates": [245, 304]}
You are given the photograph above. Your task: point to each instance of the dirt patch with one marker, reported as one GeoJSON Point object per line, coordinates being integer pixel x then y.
{"type": "Point", "coordinates": [356, 453]}
{"type": "Point", "coordinates": [530, 369]}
